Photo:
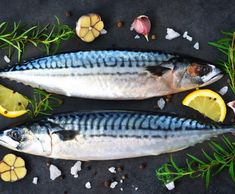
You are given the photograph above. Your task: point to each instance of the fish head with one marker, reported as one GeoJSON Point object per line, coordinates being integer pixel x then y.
{"type": "Point", "coordinates": [193, 73]}
{"type": "Point", "coordinates": [26, 139]}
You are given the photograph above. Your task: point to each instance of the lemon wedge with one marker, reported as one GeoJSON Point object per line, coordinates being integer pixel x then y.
{"type": "Point", "coordinates": [207, 102]}
{"type": "Point", "coordinates": [12, 104]}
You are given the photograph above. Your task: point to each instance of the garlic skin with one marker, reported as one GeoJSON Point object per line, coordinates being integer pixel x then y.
{"type": "Point", "coordinates": [142, 25]}
{"type": "Point", "coordinates": [232, 105]}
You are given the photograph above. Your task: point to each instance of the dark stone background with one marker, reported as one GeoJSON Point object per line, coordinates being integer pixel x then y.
{"type": "Point", "coordinates": [202, 19]}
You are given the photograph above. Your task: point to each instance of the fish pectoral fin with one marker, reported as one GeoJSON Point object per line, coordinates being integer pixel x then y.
{"type": "Point", "coordinates": [66, 135]}
{"type": "Point", "coordinates": [157, 70]}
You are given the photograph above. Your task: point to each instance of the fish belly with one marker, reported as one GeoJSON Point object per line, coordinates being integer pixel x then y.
{"type": "Point", "coordinates": [100, 86]}
{"type": "Point", "coordinates": [110, 148]}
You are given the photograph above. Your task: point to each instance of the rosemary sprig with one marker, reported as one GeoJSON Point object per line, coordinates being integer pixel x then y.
{"type": "Point", "coordinates": [47, 38]}
{"type": "Point", "coordinates": [223, 157]}
{"type": "Point", "coordinates": [227, 46]}
{"type": "Point", "coordinates": [42, 103]}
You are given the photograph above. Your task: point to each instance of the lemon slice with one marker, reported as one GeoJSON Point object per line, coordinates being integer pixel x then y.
{"type": "Point", "coordinates": [207, 102]}
{"type": "Point", "coordinates": [12, 104]}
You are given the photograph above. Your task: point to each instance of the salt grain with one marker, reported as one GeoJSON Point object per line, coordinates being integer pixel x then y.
{"type": "Point", "coordinates": [137, 37]}
{"type": "Point", "coordinates": [170, 185]}
{"type": "Point", "coordinates": [196, 46]}
{"type": "Point", "coordinates": [171, 34]}
{"type": "Point", "coordinates": [6, 59]}
{"type": "Point", "coordinates": [103, 31]}
{"type": "Point", "coordinates": [35, 180]}
{"type": "Point", "coordinates": [121, 181]}
{"type": "Point", "coordinates": [121, 189]}
{"type": "Point", "coordinates": [113, 184]}
{"type": "Point", "coordinates": [54, 172]}
{"type": "Point", "coordinates": [75, 169]}
{"type": "Point", "coordinates": [136, 188]}
{"type": "Point", "coordinates": [88, 185]}
{"type": "Point", "coordinates": [223, 90]}
{"type": "Point", "coordinates": [112, 170]}
{"type": "Point", "coordinates": [161, 103]}
{"type": "Point", "coordinates": [185, 35]}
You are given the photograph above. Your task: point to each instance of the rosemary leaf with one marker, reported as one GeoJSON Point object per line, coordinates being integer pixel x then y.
{"type": "Point", "coordinates": [42, 103]}
{"type": "Point", "coordinates": [197, 168]}
{"type": "Point", "coordinates": [47, 38]}
{"type": "Point", "coordinates": [226, 45]}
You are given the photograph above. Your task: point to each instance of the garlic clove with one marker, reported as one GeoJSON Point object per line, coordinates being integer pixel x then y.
{"type": "Point", "coordinates": [84, 21]}
{"type": "Point", "coordinates": [83, 32]}
{"type": "Point", "coordinates": [232, 105]}
{"type": "Point", "coordinates": [142, 25]}
{"type": "Point", "coordinates": [89, 37]}
{"type": "Point", "coordinates": [94, 18]}
{"type": "Point", "coordinates": [95, 32]}
{"type": "Point", "coordinates": [99, 25]}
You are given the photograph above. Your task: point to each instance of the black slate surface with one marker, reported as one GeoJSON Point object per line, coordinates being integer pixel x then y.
{"type": "Point", "coordinates": [202, 19]}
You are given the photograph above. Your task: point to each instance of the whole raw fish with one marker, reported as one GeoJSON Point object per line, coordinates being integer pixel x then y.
{"type": "Point", "coordinates": [107, 135]}
{"type": "Point", "coordinates": [114, 74]}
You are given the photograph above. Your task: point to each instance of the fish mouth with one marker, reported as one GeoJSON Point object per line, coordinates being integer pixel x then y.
{"type": "Point", "coordinates": [212, 77]}
{"type": "Point", "coordinates": [8, 142]}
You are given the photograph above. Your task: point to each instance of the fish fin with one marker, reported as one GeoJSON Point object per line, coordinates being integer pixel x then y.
{"type": "Point", "coordinates": [157, 70]}
{"type": "Point", "coordinates": [65, 135]}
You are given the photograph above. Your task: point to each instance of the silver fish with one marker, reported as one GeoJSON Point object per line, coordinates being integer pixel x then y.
{"type": "Point", "coordinates": [114, 74]}
{"type": "Point", "coordinates": [107, 135]}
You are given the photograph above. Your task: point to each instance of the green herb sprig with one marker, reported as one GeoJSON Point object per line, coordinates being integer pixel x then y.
{"type": "Point", "coordinates": [227, 46]}
{"type": "Point", "coordinates": [47, 38]}
{"type": "Point", "coordinates": [223, 157]}
{"type": "Point", "coordinates": [42, 103]}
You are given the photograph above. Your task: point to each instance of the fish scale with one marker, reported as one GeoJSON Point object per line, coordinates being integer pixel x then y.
{"type": "Point", "coordinates": [108, 135]}
{"type": "Point", "coordinates": [95, 59]}
{"type": "Point", "coordinates": [124, 121]}
{"type": "Point", "coordinates": [120, 75]}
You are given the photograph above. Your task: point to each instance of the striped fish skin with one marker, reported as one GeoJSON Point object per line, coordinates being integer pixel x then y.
{"type": "Point", "coordinates": [114, 74]}
{"type": "Point", "coordinates": [107, 135]}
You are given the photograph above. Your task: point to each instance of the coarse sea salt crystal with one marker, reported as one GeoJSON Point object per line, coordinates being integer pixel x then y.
{"type": "Point", "coordinates": [170, 185]}
{"type": "Point", "coordinates": [112, 170]}
{"type": "Point", "coordinates": [54, 172]}
{"type": "Point", "coordinates": [137, 37]}
{"type": "Point", "coordinates": [35, 180]}
{"type": "Point", "coordinates": [6, 59]}
{"type": "Point", "coordinates": [161, 103]}
{"type": "Point", "coordinates": [75, 169]}
{"type": "Point", "coordinates": [196, 46]}
{"type": "Point", "coordinates": [103, 31]}
{"type": "Point", "coordinates": [88, 185]}
{"type": "Point", "coordinates": [113, 184]}
{"type": "Point", "coordinates": [223, 90]}
{"type": "Point", "coordinates": [185, 35]}
{"type": "Point", "coordinates": [171, 34]}
{"type": "Point", "coordinates": [121, 189]}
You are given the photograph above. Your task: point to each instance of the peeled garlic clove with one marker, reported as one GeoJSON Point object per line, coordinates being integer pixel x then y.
{"type": "Point", "coordinates": [142, 25]}
{"type": "Point", "coordinates": [232, 105]}
{"type": "Point", "coordinates": [99, 25]}
{"type": "Point", "coordinates": [89, 27]}
{"type": "Point", "coordinates": [84, 21]}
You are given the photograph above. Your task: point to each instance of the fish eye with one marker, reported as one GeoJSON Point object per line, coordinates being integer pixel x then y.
{"type": "Point", "coordinates": [15, 135]}
{"type": "Point", "coordinates": [204, 70]}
